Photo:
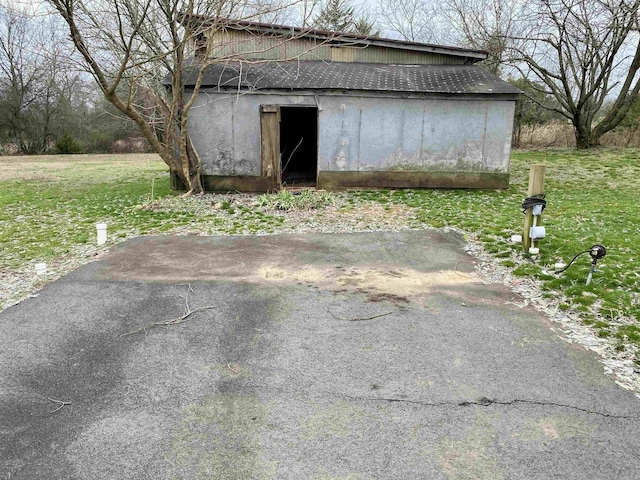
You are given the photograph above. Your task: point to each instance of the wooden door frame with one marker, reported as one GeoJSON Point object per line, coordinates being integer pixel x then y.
{"type": "Point", "coordinates": [270, 145]}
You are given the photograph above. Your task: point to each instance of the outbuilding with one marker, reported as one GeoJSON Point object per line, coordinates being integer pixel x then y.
{"type": "Point", "coordinates": [300, 107]}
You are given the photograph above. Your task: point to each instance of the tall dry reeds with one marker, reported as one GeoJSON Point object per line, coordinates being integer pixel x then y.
{"type": "Point", "coordinates": [560, 134]}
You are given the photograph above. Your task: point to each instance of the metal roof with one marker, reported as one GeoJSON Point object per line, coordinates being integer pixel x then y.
{"type": "Point", "coordinates": [316, 75]}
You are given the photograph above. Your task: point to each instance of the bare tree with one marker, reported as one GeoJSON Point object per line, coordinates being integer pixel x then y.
{"type": "Point", "coordinates": [486, 25]}
{"type": "Point", "coordinates": [582, 52]}
{"type": "Point", "coordinates": [413, 20]}
{"type": "Point", "coordinates": [40, 94]}
{"type": "Point", "coordinates": [129, 46]}
{"type": "Point", "coordinates": [26, 75]}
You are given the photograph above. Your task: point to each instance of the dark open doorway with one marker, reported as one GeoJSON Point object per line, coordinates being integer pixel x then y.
{"type": "Point", "coordinates": [299, 146]}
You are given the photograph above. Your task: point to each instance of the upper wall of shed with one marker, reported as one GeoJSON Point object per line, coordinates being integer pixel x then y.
{"type": "Point", "coordinates": [247, 45]}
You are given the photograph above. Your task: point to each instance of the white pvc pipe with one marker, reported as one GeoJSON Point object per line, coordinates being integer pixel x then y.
{"type": "Point", "coordinates": [590, 276]}
{"type": "Point", "coordinates": [101, 229]}
{"type": "Point", "coordinates": [41, 268]}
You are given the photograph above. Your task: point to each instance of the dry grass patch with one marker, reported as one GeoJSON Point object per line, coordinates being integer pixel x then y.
{"type": "Point", "coordinates": [58, 168]}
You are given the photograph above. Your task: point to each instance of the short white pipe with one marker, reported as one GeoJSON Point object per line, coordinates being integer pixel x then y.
{"type": "Point", "coordinates": [41, 268]}
{"type": "Point", "coordinates": [534, 251]}
{"type": "Point", "coordinates": [101, 229]}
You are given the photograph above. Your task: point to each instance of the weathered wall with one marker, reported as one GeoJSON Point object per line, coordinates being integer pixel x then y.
{"type": "Point", "coordinates": [225, 130]}
{"type": "Point", "coordinates": [439, 135]}
{"type": "Point", "coordinates": [361, 133]}
{"type": "Point", "coordinates": [245, 45]}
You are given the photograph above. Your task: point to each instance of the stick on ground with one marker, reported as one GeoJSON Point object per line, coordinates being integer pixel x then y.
{"type": "Point", "coordinates": [59, 402]}
{"type": "Point", "coordinates": [358, 319]}
{"type": "Point", "coordinates": [174, 321]}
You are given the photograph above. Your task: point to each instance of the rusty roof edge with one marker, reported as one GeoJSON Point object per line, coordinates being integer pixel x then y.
{"type": "Point", "coordinates": [227, 23]}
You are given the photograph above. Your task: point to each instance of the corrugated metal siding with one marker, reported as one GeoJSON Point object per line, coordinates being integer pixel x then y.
{"type": "Point", "coordinates": [343, 54]}
{"type": "Point", "coordinates": [361, 134]}
{"type": "Point", "coordinates": [237, 44]}
{"type": "Point", "coordinates": [233, 43]}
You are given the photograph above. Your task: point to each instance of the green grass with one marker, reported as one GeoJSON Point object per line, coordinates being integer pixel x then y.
{"type": "Point", "coordinates": [305, 199]}
{"type": "Point", "coordinates": [49, 205]}
{"type": "Point", "coordinates": [592, 197]}
{"type": "Point", "coordinates": [52, 204]}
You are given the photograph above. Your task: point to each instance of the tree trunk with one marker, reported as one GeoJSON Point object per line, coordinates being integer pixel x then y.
{"type": "Point", "coordinates": [585, 136]}
{"type": "Point", "coordinates": [194, 185]}
{"type": "Point", "coordinates": [517, 125]}
{"type": "Point", "coordinates": [517, 134]}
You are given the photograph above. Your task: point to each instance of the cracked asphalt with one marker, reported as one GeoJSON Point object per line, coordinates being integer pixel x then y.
{"type": "Point", "coordinates": [336, 356]}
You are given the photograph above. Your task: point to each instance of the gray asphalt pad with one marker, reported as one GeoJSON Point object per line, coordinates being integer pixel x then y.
{"type": "Point", "coordinates": [351, 356]}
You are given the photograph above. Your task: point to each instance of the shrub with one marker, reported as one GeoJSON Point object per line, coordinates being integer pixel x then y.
{"type": "Point", "coordinates": [98, 142]}
{"type": "Point", "coordinates": [66, 144]}
{"type": "Point", "coordinates": [306, 199]}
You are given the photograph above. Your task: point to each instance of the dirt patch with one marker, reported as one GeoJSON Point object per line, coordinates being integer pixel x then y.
{"type": "Point", "coordinates": [402, 282]}
{"type": "Point", "coordinates": [385, 297]}
{"type": "Point", "coordinates": [399, 286]}
{"type": "Point", "coordinates": [284, 260]}
{"type": "Point", "coordinates": [26, 176]}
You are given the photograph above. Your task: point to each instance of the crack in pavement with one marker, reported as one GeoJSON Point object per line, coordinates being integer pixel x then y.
{"type": "Point", "coordinates": [480, 402]}
{"type": "Point", "coordinates": [487, 402]}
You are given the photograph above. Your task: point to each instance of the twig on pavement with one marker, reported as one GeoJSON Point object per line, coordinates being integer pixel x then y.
{"type": "Point", "coordinates": [174, 321]}
{"type": "Point", "coordinates": [60, 403]}
{"type": "Point", "coordinates": [358, 319]}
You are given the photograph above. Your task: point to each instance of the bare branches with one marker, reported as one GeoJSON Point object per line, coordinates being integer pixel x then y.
{"type": "Point", "coordinates": [413, 20]}
{"type": "Point", "coordinates": [486, 24]}
{"type": "Point", "coordinates": [173, 321]}
{"type": "Point", "coordinates": [37, 87]}
{"type": "Point", "coordinates": [358, 319]}
{"type": "Point", "coordinates": [129, 46]}
{"type": "Point", "coordinates": [580, 50]}
{"type": "Point", "coordinates": [168, 323]}
{"type": "Point", "coordinates": [570, 43]}
{"type": "Point", "coordinates": [60, 404]}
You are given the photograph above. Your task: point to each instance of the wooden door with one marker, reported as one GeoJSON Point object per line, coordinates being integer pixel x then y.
{"type": "Point", "coordinates": [270, 145]}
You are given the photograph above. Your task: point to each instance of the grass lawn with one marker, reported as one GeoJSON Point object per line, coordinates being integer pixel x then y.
{"type": "Point", "coordinates": [592, 197]}
{"type": "Point", "coordinates": [49, 205]}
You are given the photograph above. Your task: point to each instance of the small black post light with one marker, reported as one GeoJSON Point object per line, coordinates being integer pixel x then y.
{"type": "Point", "coordinates": [597, 252]}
